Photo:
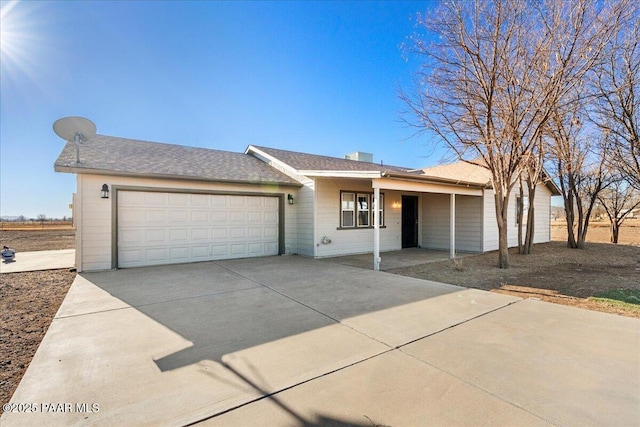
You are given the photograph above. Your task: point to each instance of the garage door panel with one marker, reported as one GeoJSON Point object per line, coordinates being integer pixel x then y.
{"type": "Point", "coordinates": [200, 252]}
{"type": "Point", "coordinates": [178, 217]}
{"type": "Point", "coordinates": [254, 217]}
{"type": "Point", "coordinates": [178, 254]}
{"type": "Point", "coordinates": [270, 232]}
{"type": "Point", "coordinates": [154, 236]}
{"type": "Point", "coordinates": [219, 233]}
{"type": "Point", "coordinates": [178, 235]}
{"type": "Point", "coordinates": [199, 234]}
{"type": "Point", "coordinates": [131, 217]}
{"type": "Point", "coordinates": [238, 217]}
{"type": "Point", "coordinates": [254, 232]}
{"type": "Point", "coordinates": [237, 233]}
{"type": "Point", "coordinates": [255, 248]}
{"type": "Point", "coordinates": [236, 201]}
{"type": "Point", "coordinates": [178, 199]}
{"type": "Point", "coordinates": [200, 200]}
{"type": "Point", "coordinates": [218, 217]}
{"type": "Point", "coordinates": [220, 251]}
{"type": "Point", "coordinates": [271, 248]}
{"type": "Point", "coordinates": [154, 216]}
{"type": "Point", "coordinates": [156, 254]}
{"type": "Point", "coordinates": [270, 217]}
{"type": "Point", "coordinates": [199, 216]}
{"type": "Point", "coordinates": [238, 249]}
{"type": "Point", "coordinates": [163, 228]}
{"type": "Point", "coordinates": [155, 199]}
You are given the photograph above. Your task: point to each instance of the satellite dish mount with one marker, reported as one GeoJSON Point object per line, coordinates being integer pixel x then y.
{"type": "Point", "coordinates": [76, 129]}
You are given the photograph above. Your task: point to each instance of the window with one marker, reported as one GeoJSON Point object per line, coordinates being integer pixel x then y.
{"type": "Point", "coordinates": [356, 210]}
{"type": "Point", "coordinates": [363, 210]}
{"type": "Point", "coordinates": [348, 210]}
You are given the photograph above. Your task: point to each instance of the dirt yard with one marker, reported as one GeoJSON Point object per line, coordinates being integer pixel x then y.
{"type": "Point", "coordinates": [28, 302]}
{"type": "Point", "coordinates": [553, 272]}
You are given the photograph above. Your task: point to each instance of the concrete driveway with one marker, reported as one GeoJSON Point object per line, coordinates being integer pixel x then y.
{"type": "Point", "coordinates": [39, 260]}
{"type": "Point", "coordinates": [292, 341]}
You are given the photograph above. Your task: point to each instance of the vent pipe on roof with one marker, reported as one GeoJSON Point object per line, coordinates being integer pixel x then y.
{"type": "Point", "coordinates": [360, 156]}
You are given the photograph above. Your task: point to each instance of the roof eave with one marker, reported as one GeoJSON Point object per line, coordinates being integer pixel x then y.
{"type": "Point", "coordinates": [434, 179]}
{"type": "Point", "coordinates": [76, 170]}
{"type": "Point", "coordinates": [341, 174]}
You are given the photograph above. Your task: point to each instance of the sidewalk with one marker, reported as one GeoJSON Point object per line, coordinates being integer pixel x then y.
{"type": "Point", "coordinates": [40, 260]}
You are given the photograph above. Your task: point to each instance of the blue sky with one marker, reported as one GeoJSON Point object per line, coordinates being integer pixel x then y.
{"type": "Point", "coordinates": [317, 77]}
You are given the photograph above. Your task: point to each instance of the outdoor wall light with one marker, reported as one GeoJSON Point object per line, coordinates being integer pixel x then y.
{"type": "Point", "coordinates": [396, 205]}
{"type": "Point", "coordinates": [104, 193]}
{"type": "Point", "coordinates": [290, 198]}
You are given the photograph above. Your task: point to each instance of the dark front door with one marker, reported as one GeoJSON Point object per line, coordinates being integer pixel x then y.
{"type": "Point", "coordinates": [409, 221]}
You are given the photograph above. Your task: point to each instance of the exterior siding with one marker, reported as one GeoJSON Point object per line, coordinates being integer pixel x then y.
{"type": "Point", "coordinates": [94, 241]}
{"type": "Point", "coordinates": [352, 241]}
{"type": "Point", "coordinates": [542, 203]}
{"type": "Point", "coordinates": [468, 223]}
{"type": "Point", "coordinates": [435, 222]}
{"type": "Point", "coordinates": [542, 232]}
{"type": "Point", "coordinates": [305, 219]}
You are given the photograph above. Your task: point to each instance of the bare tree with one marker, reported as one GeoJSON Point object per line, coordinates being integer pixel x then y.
{"type": "Point", "coordinates": [618, 200]}
{"type": "Point", "coordinates": [617, 84]}
{"type": "Point", "coordinates": [494, 72]}
{"type": "Point", "coordinates": [578, 159]}
{"type": "Point", "coordinates": [42, 218]}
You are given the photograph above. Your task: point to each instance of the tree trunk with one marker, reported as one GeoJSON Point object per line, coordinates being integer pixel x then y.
{"type": "Point", "coordinates": [528, 241]}
{"type": "Point", "coordinates": [570, 218]}
{"type": "Point", "coordinates": [501, 202]}
{"type": "Point", "coordinates": [615, 231]}
{"type": "Point", "coordinates": [520, 207]}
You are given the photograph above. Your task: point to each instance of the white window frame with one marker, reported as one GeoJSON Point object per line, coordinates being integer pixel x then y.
{"type": "Point", "coordinates": [356, 209]}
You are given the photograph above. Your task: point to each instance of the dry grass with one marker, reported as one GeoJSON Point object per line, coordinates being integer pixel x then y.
{"type": "Point", "coordinates": [599, 232]}
{"type": "Point", "coordinates": [36, 225]}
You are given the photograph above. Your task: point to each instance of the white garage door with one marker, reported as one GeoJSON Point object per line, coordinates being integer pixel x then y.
{"type": "Point", "coordinates": [167, 228]}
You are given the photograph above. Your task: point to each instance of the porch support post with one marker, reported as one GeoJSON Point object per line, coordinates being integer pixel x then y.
{"type": "Point", "coordinates": [376, 229]}
{"type": "Point", "coordinates": [452, 227]}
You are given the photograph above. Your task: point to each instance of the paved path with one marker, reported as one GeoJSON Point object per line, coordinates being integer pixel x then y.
{"type": "Point", "coordinates": [39, 260]}
{"type": "Point", "coordinates": [288, 341]}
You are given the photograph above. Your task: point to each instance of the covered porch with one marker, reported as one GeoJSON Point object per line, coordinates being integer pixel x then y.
{"type": "Point", "coordinates": [396, 259]}
{"type": "Point", "coordinates": [434, 209]}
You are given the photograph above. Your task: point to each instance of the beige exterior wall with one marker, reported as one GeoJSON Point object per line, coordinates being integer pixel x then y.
{"type": "Point", "coordinates": [95, 215]}
{"type": "Point", "coordinates": [358, 240]}
{"type": "Point", "coordinates": [435, 222]}
{"type": "Point", "coordinates": [542, 231]}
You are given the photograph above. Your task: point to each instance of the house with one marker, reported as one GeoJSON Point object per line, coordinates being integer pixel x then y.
{"type": "Point", "coordinates": [143, 203]}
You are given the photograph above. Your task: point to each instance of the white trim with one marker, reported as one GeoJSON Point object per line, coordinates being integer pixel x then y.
{"type": "Point", "coordinates": [452, 226]}
{"type": "Point", "coordinates": [376, 230]}
{"type": "Point", "coordinates": [340, 174]}
{"type": "Point", "coordinates": [423, 187]}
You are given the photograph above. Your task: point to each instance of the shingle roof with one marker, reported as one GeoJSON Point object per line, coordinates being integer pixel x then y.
{"type": "Point", "coordinates": [308, 162]}
{"type": "Point", "coordinates": [129, 156]}
{"type": "Point", "coordinates": [461, 171]}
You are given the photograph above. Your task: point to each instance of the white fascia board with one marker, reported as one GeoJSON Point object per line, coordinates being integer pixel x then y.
{"type": "Point", "coordinates": [422, 186]}
{"type": "Point", "coordinates": [341, 174]}
{"type": "Point", "coordinates": [256, 152]}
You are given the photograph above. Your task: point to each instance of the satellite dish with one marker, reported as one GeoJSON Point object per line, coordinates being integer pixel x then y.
{"type": "Point", "coordinates": [76, 129]}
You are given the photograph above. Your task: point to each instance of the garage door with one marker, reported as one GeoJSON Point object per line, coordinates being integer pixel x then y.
{"type": "Point", "coordinates": [167, 228]}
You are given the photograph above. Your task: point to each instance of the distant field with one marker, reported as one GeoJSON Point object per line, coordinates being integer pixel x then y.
{"type": "Point", "coordinates": [36, 225]}
{"type": "Point", "coordinates": [598, 232]}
